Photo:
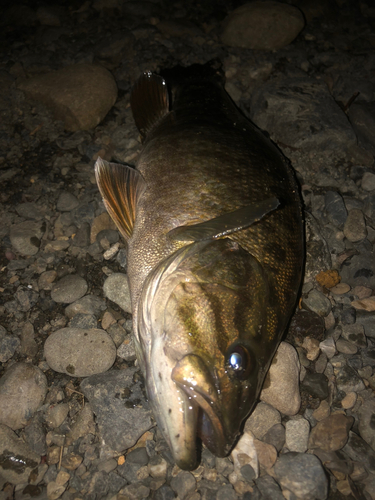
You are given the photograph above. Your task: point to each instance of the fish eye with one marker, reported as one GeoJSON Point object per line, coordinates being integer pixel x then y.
{"type": "Point", "coordinates": [239, 361]}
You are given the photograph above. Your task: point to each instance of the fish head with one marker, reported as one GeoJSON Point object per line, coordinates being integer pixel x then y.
{"type": "Point", "coordinates": [205, 345]}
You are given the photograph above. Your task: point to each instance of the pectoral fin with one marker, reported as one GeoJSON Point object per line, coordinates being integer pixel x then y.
{"type": "Point", "coordinates": [225, 224]}
{"type": "Point", "coordinates": [121, 187]}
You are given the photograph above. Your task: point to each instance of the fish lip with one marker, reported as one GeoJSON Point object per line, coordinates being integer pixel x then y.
{"type": "Point", "coordinates": [203, 397]}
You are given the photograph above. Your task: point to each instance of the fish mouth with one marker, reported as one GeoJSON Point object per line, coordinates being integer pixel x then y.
{"type": "Point", "coordinates": [206, 417]}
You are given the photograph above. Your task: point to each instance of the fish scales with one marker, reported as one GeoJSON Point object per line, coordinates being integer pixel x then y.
{"type": "Point", "coordinates": [215, 256]}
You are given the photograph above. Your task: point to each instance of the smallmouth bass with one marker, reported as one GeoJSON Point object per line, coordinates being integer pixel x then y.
{"type": "Point", "coordinates": [212, 218]}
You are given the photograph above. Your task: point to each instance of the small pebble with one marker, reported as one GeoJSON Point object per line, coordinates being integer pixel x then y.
{"type": "Point", "coordinates": [69, 289]}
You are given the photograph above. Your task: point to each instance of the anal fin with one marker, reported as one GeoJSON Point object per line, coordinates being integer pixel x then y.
{"type": "Point", "coordinates": [225, 224]}
{"type": "Point", "coordinates": [121, 187]}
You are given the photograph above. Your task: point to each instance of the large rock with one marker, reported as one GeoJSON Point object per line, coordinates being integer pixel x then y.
{"type": "Point", "coordinates": [301, 113]}
{"type": "Point", "coordinates": [23, 388]}
{"type": "Point", "coordinates": [80, 95]}
{"type": "Point", "coordinates": [262, 25]}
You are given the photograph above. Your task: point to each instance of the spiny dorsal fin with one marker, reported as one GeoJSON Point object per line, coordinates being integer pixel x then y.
{"type": "Point", "coordinates": [225, 224]}
{"type": "Point", "coordinates": [149, 101]}
{"type": "Point", "coordinates": [121, 187]}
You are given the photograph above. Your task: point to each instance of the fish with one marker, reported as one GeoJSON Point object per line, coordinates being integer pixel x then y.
{"type": "Point", "coordinates": [213, 222]}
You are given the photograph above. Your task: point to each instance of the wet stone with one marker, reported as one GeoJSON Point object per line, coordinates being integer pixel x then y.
{"type": "Point", "coordinates": [317, 302]}
{"type": "Point", "coordinates": [22, 391]}
{"type": "Point", "coordinates": [35, 434]}
{"type": "Point", "coordinates": [346, 347]}
{"type": "Point", "coordinates": [69, 289]}
{"type": "Point", "coordinates": [56, 415]}
{"type": "Point", "coordinates": [269, 488]}
{"type": "Point", "coordinates": [275, 436]}
{"type": "Point", "coordinates": [302, 475]}
{"type": "Point", "coordinates": [80, 352]}
{"type": "Point", "coordinates": [164, 493]}
{"type": "Point", "coordinates": [316, 384]}
{"type": "Point", "coordinates": [81, 237]}
{"type": "Point", "coordinates": [26, 236]}
{"type": "Point", "coordinates": [355, 334]}
{"type": "Point", "coordinates": [366, 424]}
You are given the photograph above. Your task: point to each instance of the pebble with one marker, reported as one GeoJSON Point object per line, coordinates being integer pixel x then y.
{"type": "Point", "coordinates": [328, 347]}
{"type": "Point", "coordinates": [18, 460]}
{"type": "Point", "coordinates": [317, 303]}
{"type": "Point", "coordinates": [316, 384]}
{"type": "Point", "coordinates": [322, 412]}
{"type": "Point", "coordinates": [335, 208]}
{"type": "Point", "coordinates": [183, 484]}
{"type": "Point", "coordinates": [25, 237]}
{"type": "Point", "coordinates": [23, 388]}
{"type": "Point", "coordinates": [358, 450]}
{"type": "Point", "coordinates": [355, 334]}
{"type": "Point", "coordinates": [367, 304]}
{"type": "Point", "coordinates": [244, 453]}
{"type": "Point", "coordinates": [8, 346]}
{"type": "Point", "coordinates": [368, 181]}
{"type": "Point", "coordinates": [262, 419]}
{"type": "Point", "coordinates": [366, 425]}
{"type": "Point", "coordinates": [347, 379]}
{"type": "Point", "coordinates": [89, 304]}
{"type": "Point", "coordinates": [116, 288]}
{"type": "Point", "coordinates": [69, 289]}
{"type": "Point", "coordinates": [297, 435]}
{"type": "Point", "coordinates": [331, 433]}
{"type": "Point", "coordinates": [56, 415]}
{"type": "Point", "coordinates": [302, 475]}
{"type": "Point", "coordinates": [355, 226]}
{"type": "Point", "coordinates": [80, 352]}
{"type": "Point", "coordinates": [281, 387]}
{"type": "Point", "coordinates": [66, 202]}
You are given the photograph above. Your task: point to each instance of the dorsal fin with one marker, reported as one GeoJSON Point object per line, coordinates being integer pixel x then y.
{"type": "Point", "coordinates": [149, 101]}
{"type": "Point", "coordinates": [121, 187]}
{"type": "Point", "coordinates": [225, 224]}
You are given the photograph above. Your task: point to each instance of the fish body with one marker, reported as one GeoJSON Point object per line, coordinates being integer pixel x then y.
{"type": "Point", "coordinates": [213, 221]}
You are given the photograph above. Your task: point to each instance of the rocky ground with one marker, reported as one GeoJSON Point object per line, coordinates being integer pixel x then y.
{"type": "Point", "coordinates": [74, 419]}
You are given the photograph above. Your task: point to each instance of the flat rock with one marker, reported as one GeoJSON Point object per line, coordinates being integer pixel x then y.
{"type": "Point", "coordinates": [80, 352]}
{"type": "Point", "coordinates": [262, 419]}
{"type": "Point", "coordinates": [262, 25]}
{"type": "Point", "coordinates": [89, 304]}
{"type": "Point", "coordinates": [17, 460]}
{"type": "Point", "coordinates": [303, 475]}
{"type": "Point", "coordinates": [116, 288]}
{"type": "Point", "coordinates": [69, 289]}
{"type": "Point", "coordinates": [281, 387]}
{"type": "Point", "coordinates": [297, 435]}
{"type": "Point", "coordinates": [331, 433]}
{"type": "Point", "coordinates": [23, 388]}
{"type": "Point", "coordinates": [366, 425]}
{"type": "Point", "coordinates": [355, 226]}
{"type": "Point", "coordinates": [26, 236]}
{"type": "Point", "coordinates": [122, 412]}
{"type": "Point", "coordinates": [80, 95]}
{"type": "Point", "coordinates": [300, 112]}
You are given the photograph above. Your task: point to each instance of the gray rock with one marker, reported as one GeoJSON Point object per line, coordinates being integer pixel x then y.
{"type": "Point", "coordinates": [359, 451]}
{"type": "Point", "coordinates": [317, 302]}
{"type": "Point", "coordinates": [297, 435]}
{"type": "Point", "coordinates": [366, 424]}
{"type": "Point", "coordinates": [23, 388]}
{"type": "Point", "coordinates": [80, 352]}
{"type": "Point", "coordinates": [80, 95]}
{"type": "Point", "coordinates": [335, 208]}
{"type": "Point", "coordinates": [56, 415]}
{"type": "Point", "coordinates": [25, 237]}
{"type": "Point", "coordinates": [17, 459]}
{"type": "Point", "coordinates": [355, 334]}
{"type": "Point", "coordinates": [368, 181]}
{"type": "Point", "coordinates": [269, 488]}
{"type": "Point", "coordinates": [85, 321]}
{"type": "Point", "coordinates": [262, 419]}
{"type": "Point", "coordinates": [316, 384]}
{"type": "Point", "coordinates": [262, 25]}
{"type": "Point", "coordinates": [30, 211]}
{"type": "Point", "coordinates": [82, 236]}
{"type": "Point", "coordinates": [275, 436]}
{"type": "Point", "coordinates": [226, 492]}
{"type": "Point", "coordinates": [281, 387]}
{"type": "Point", "coordinates": [362, 118]}
{"type": "Point", "coordinates": [66, 202]}
{"type": "Point", "coordinates": [35, 434]}
{"type": "Point", "coordinates": [300, 113]}
{"type": "Point", "coordinates": [183, 484]}
{"type": "Point", "coordinates": [27, 298]}
{"type": "Point", "coordinates": [8, 346]}
{"type": "Point", "coordinates": [120, 407]}
{"type": "Point", "coordinates": [367, 321]}
{"type": "Point", "coordinates": [89, 304]}
{"type": "Point", "coordinates": [302, 475]}
{"type": "Point", "coordinates": [347, 379]}
{"type": "Point", "coordinates": [69, 289]}
{"type": "Point", "coordinates": [116, 288]}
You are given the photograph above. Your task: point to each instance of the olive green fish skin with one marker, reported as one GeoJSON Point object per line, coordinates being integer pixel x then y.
{"type": "Point", "coordinates": [202, 160]}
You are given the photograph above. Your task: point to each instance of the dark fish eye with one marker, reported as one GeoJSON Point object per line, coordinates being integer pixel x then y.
{"type": "Point", "coordinates": [239, 361]}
